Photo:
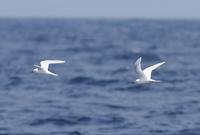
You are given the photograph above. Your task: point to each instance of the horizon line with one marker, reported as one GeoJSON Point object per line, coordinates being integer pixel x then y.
{"type": "Point", "coordinates": [100, 18]}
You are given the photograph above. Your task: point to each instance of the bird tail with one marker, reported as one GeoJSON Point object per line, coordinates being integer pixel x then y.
{"type": "Point", "coordinates": [152, 80]}
{"type": "Point", "coordinates": [51, 73]}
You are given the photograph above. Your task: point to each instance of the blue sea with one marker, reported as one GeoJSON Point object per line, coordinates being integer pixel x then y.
{"type": "Point", "coordinates": [95, 93]}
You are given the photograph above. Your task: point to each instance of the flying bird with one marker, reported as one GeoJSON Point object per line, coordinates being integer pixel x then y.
{"type": "Point", "coordinates": [145, 75]}
{"type": "Point", "coordinates": [44, 67]}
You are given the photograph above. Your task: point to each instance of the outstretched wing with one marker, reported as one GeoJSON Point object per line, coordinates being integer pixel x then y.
{"type": "Point", "coordinates": [147, 71]}
{"type": "Point", "coordinates": [45, 64]}
{"type": "Point", "coordinates": [138, 68]}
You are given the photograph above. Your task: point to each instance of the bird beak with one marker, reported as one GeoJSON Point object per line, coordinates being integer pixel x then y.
{"type": "Point", "coordinates": [36, 66]}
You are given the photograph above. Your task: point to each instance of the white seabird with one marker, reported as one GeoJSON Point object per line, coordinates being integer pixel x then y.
{"type": "Point", "coordinates": [44, 67]}
{"type": "Point", "coordinates": [145, 75]}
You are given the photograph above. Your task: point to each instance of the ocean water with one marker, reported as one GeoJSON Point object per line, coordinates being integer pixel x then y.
{"type": "Point", "coordinates": [95, 92]}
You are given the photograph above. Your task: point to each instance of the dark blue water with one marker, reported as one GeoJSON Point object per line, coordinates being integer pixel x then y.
{"type": "Point", "coordinates": [95, 93]}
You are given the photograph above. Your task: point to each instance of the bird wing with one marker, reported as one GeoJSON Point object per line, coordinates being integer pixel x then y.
{"type": "Point", "coordinates": [138, 68]}
{"type": "Point", "coordinates": [45, 64]}
{"type": "Point", "coordinates": [147, 71]}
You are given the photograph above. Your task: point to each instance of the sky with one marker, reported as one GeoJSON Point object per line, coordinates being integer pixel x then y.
{"type": "Point", "coordinates": [183, 9]}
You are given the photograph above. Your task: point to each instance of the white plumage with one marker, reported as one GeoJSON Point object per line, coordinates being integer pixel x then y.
{"type": "Point", "coordinates": [44, 67]}
{"type": "Point", "coordinates": [145, 75]}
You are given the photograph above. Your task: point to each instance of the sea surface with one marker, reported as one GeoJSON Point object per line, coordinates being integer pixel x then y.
{"type": "Point", "coordinates": [95, 93]}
